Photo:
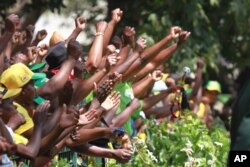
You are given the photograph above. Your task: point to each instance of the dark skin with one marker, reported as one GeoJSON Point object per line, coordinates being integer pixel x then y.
{"type": "Point", "coordinates": [140, 88]}
{"type": "Point", "coordinates": [96, 50]}
{"type": "Point", "coordinates": [80, 24]}
{"type": "Point", "coordinates": [26, 39]}
{"type": "Point", "coordinates": [11, 23]}
{"type": "Point", "coordinates": [116, 17]}
{"type": "Point", "coordinates": [56, 83]}
{"type": "Point", "coordinates": [154, 56]}
{"type": "Point", "coordinates": [10, 115]}
{"type": "Point", "coordinates": [31, 149]}
{"type": "Point", "coordinates": [164, 55]}
{"type": "Point", "coordinates": [39, 37]}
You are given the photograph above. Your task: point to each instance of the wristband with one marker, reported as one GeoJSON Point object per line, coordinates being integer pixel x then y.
{"type": "Point", "coordinates": [99, 33]}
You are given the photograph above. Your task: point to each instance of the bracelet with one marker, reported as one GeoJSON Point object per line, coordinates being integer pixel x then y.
{"type": "Point", "coordinates": [99, 33]}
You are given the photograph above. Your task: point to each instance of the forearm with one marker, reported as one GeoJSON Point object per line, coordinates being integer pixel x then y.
{"type": "Point", "coordinates": [158, 112]}
{"type": "Point", "coordinates": [50, 140]}
{"type": "Point", "coordinates": [123, 117]}
{"type": "Point", "coordinates": [24, 47]}
{"type": "Point", "coordinates": [57, 81]}
{"type": "Point", "coordinates": [8, 50]}
{"type": "Point", "coordinates": [95, 151]}
{"type": "Point", "coordinates": [197, 84]}
{"type": "Point", "coordinates": [95, 53]}
{"type": "Point", "coordinates": [158, 60]}
{"type": "Point", "coordinates": [121, 69]}
{"type": "Point", "coordinates": [152, 51]}
{"type": "Point", "coordinates": [93, 134]}
{"type": "Point", "coordinates": [123, 54]}
{"type": "Point", "coordinates": [52, 122]}
{"type": "Point", "coordinates": [108, 33]}
{"type": "Point", "coordinates": [73, 35]}
{"type": "Point", "coordinates": [140, 87]}
{"type": "Point", "coordinates": [34, 42]}
{"type": "Point", "coordinates": [4, 39]}
{"type": "Point", "coordinates": [152, 100]}
{"type": "Point", "coordinates": [85, 87]}
{"type": "Point", "coordinates": [4, 132]}
{"type": "Point", "coordinates": [33, 146]}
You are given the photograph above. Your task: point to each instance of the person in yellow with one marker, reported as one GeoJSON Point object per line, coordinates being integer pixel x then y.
{"type": "Point", "coordinates": [13, 80]}
{"type": "Point", "coordinates": [210, 93]}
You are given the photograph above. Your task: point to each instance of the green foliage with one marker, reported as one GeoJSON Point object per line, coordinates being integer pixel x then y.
{"type": "Point", "coordinates": [187, 142]}
{"type": "Point", "coordinates": [60, 163]}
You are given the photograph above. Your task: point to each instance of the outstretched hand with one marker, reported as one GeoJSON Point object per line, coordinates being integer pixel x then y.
{"type": "Point", "coordinates": [88, 117]}
{"type": "Point", "coordinates": [111, 101]}
{"type": "Point", "coordinates": [69, 118]}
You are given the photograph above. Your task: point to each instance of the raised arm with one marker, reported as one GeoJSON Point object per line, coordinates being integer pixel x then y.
{"type": "Point", "coordinates": [142, 86]}
{"type": "Point", "coordinates": [116, 17]}
{"type": "Point", "coordinates": [83, 88]}
{"type": "Point", "coordinates": [198, 80]}
{"type": "Point", "coordinates": [26, 39]}
{"type": "Point", "coordinates": [162, 56]}
{"type": "Point", "coordinates": [150, 52]}
{"type": "Point", "coordinates": [31, 149]}
{"type": "Point", "coordinates": [10, 27]}
{"type": "Point", "coordinates": [80, 24]}
{"type": "Point", "coordinates": [57, 81]}
{"type": "Point", "coordinates": [96, 50]}
{"type": "Point", "coordinates": [39, 37]}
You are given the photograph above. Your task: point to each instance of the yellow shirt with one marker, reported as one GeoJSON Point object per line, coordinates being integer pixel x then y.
{"type": "Point", "coordinates": [28, 120]}
{"type": "Point", "coordinates": [19, 139]}
{"type": "Point", "coordinates": [201, 113]}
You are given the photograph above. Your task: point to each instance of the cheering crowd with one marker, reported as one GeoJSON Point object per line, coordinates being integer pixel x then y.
{"type": "Point", "coordinates": [60, 95]}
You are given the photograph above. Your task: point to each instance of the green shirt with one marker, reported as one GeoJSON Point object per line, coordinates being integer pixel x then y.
{"type": "Point", "coordinates": [240, 127]}
{"type": "Point", "coordinates": [126, 93]}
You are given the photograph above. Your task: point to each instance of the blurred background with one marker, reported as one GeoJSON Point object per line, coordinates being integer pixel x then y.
{"type": "Point", "coordinates": [220, 28]}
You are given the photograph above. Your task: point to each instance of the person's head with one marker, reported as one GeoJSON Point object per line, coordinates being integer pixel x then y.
{"type": "Point", "coordinates": [55, 38]}
{"type": "Point", "coordinates": [19, 58]}
{"type": "Point", "coordinates": [56, 55]}
{"type": "Point", "coordinates": [212, 90]}
{"type": "Point", "coordinates": [18, 80]}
